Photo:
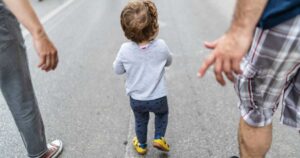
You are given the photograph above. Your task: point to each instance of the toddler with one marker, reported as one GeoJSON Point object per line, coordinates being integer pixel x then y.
{"type": "Point", "coordinates": [143, 61]}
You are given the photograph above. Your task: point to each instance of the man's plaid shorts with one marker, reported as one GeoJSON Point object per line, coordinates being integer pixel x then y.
{"type": "Point", "coordinates": [271, 74]}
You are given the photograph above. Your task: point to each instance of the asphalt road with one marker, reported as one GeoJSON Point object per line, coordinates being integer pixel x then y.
{"type": "Point", "coordinates": [84, 102]}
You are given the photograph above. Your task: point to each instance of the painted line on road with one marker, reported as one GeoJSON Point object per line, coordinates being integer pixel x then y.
{"type": "Point", "coordinates": [50, 15]}
{"type": "Point", "coordinates": [128, 150]}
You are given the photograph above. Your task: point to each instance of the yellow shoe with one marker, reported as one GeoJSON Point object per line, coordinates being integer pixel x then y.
{"type": "Point", "coordinates": [137, 147]}
{"type": "Point", "coordinates": [161, 144]}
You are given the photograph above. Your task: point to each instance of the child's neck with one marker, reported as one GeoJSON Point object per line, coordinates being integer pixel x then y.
{"type": "Point", "coordinates": [144, 43]}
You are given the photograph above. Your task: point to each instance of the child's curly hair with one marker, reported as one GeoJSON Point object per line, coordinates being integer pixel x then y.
{"type": "Point", "coordinates": [139, 20]}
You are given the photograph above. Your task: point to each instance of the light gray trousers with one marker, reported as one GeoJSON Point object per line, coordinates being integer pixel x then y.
{"type": "Point", "coordinates": [16, 86]}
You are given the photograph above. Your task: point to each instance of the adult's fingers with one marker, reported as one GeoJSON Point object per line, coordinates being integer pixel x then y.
{"type": "Point", "coordinates": [42, 61]}
{"type": "Point", "coordinates": [236, 67]}
{"type": "Point", "coordinates": [227, 69]}
{"type": "Point", "coordinates": [47, 66]}
{"type": "Point", "coordinates": [218, 71]}
{"type": "Point", "coordinates": [210, 45]}
{"type": "Point", "coordinates": [206, 64]}
{"type": "Point", "coordinates": [55, 61]}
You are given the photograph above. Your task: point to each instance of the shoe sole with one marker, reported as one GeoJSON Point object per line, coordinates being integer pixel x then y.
{"type": "Point", "coordinates": [142, 153]}
{"type": "Point", "coordinates": [159, 147]}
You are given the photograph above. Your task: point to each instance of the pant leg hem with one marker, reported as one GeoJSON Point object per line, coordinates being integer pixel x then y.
{"type": "Point", "coordinates": [38, 155]}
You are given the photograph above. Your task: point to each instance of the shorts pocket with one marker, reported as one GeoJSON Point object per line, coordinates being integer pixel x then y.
{"type": "Point", "coordinates": [250, 71]}
{"type": "Point", "coordinates": [248, 87]}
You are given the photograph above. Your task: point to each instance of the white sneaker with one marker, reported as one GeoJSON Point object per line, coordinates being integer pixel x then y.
{"type": "Point", "coordinates": [54, 149]}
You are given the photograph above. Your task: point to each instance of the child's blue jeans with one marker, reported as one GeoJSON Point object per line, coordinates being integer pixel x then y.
{"type": "Point", "coordinates": [141, 111]}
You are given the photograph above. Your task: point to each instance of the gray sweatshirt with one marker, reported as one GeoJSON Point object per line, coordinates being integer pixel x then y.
{"type": "Point", "coordinates": [144, 68]}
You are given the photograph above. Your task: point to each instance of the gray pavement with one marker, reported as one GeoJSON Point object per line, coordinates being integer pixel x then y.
{"type": "Point", "coordinates": [84, 103]}
{"type": "Point", "coordinates": [46, 6]}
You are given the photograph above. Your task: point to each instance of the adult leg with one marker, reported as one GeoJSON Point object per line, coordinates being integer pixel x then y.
{"type": "Point", "coordinates": [269, 68]}
{"type": "Point", "coordinates": [254, 142]}
{"type": "Point", "coordinates": [17, 89]}
{"type": "Point", "coordinates": [16, 86]}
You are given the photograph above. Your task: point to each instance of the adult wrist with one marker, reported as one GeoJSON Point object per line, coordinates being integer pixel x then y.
{"type": "Point", "coordinates": [38, 33]}
{"type": "Point", "coordinates": [241, 30]}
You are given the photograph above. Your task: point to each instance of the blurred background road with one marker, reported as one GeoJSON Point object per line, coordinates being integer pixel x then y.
{"type": "Point", "coordinates": [84, 102]}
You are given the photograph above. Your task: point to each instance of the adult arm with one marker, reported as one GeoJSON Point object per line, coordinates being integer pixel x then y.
{"type": "Point", "coordinates": [44, 47]}
{"type": "Point", "coordinates": [229, 49]}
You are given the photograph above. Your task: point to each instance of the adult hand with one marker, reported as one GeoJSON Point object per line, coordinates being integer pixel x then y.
{"type": "Point", "coordinates": [46, 51]}
{"type": "Point", "coordinates": [44, 47]}
{"type": "Point", "coordinates": [227, 53]}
